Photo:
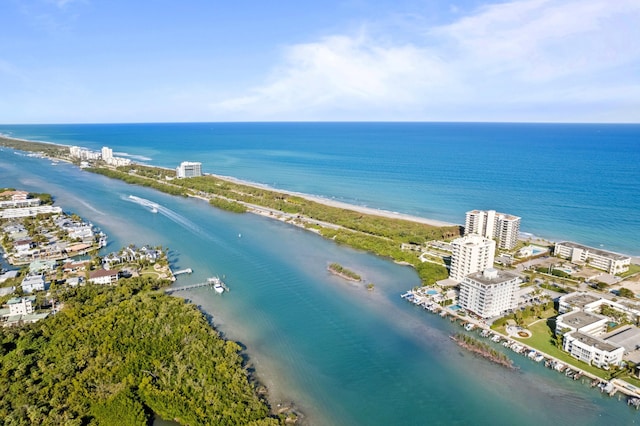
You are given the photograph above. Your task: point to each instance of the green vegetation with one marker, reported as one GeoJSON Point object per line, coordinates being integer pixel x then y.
{"type": "Point", "coordinates": [633, 269]}
{"type": "Point", "coordinates": [114, 354]}
{"type": "Point", "coordinates": [139, 180]}
{"type": "Point", "coordinates": [625, 292]}
{"type": "Point", "coordinates": [228, 205]}
{"type": "Point", "coordinates": [376, 234]}
{"type": "Point", "coordinates": [47, 149]}
{"type": "Point", "coordinates": [344, 272]}
{"type": "Point", "coordinates": [544, 340]}
{"type": "Point", "coordinates": [483, 349]}
{"type": "Point", "coordinates": [527, 316]}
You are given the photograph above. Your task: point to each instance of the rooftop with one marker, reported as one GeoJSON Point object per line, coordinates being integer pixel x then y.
{"type": "Point", "coordinates": [492, 276]}
{"type": "Point", "coordinates": [593, 341]}
{"type": "Point", "coordinates": [628, 337]}
{"type": "Point", "coordinates": [580, 319]}
{"type": "Point", "coordinates": [581, 300]}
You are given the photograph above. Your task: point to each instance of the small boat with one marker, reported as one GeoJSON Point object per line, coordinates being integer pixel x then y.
{"type": "Point", "coordinates": [154, 210]}
{"type": "Point", "coordinates": [218, 285]}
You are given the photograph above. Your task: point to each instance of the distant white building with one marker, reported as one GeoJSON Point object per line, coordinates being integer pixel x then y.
{"type": "Point", "coordinates": [29, 211]}
{"type": "Point", "coordinates": [188, 169]}
{"type": "Point", "coordinates": [611, 262]}
{"type": "Point", "coordinates": [491, 224]}
{"type": "Point", "coordinates": [489, 293]}
{"type": "Point", "coordinates": [471, 253]}
{"type": "Point", "coordinates": [106, 153]}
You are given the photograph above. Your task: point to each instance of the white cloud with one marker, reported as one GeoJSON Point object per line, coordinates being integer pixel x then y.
{"type": "Point", "coordinates": [531, 52]}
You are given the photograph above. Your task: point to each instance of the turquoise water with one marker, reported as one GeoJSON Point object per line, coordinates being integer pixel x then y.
{"type": "Point", "coordinates": [566, 181]}
{"type": "Point", "coordinates": [345, 355]}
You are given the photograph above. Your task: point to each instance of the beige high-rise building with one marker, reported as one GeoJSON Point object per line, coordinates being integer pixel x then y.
{"type": "Point", "coordinates": [489, 293]}
{"type": "Point", "coordinates": [471, 253]}
{"type": "Point", "coordinates": [491, 224]}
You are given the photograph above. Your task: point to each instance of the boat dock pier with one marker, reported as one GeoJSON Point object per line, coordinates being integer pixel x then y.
{"type": "Point", "coordinates": [183, 271]}
{"type": "Point", "coordinates": [214, 282]}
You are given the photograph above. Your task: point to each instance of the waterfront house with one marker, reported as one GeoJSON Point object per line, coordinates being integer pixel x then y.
{"type": "Point", "coordinates": [103, 276]}
{"type": "Point", "coordinates": [74, 266]}
{"type": "Point", "coordinates": [22, 247]}
{"type": "Point", "coordinates": [41, 266]}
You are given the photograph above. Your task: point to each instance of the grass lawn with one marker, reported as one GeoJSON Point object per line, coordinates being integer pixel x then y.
{"type": "Point", "coordinates": [633, 269]}
{"type": "Point", "coordinates": [542, 339]}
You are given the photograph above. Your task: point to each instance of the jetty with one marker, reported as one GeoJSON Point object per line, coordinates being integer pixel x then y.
{"type": "Point", "coordinates": [183, 271]}
{"type": "Point", "coordinates": [214, 282]}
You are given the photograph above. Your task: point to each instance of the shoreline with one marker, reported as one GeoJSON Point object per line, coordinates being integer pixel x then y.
{"type": "Point", "coordinates": [524, 236]}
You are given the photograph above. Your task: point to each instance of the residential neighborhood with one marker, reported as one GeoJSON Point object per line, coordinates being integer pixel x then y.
{"type": "Point", "coordinates": [49, 249]}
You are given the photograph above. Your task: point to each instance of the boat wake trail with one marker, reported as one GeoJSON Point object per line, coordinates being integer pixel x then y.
{"type": "Point", "coordinates": [171, 215]}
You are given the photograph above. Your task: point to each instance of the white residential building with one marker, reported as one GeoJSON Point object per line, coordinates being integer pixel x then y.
{"type": "Point", "coordinates": [592, 302]}
{"type": "Point", "coordinates": [21, 305]}
{"type": "Point", "coordinates": [584, 330]}
{"type": "Point", "coordinates": [29, 211]}
{"type": "Point", "coordinates": [489, 293]}
{"type": "Point", "coordinates": [611, 262]}
{"type": "Point", "coordinates": [491, 224]}
{"type": "Point", "coordinates": [584, 322]}
{"type": "Point", "coordinates": [471, 253]}
{"type": "Point", "coordinates": [592, 350]}
{"type": "Point", "coordinates": [188, 169]}
{"type": "Point", "coordinates": [32, 283]}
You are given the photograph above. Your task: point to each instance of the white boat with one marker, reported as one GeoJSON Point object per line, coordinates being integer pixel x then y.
{"type": "Point", "coordinates": [218, 285]}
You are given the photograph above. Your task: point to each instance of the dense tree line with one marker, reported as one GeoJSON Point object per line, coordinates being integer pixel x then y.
{"type": "Point", "coordinates": [48, 149]}
{"type": "Point", "coordinates": [139, 180]}
{"type": "Point", "coordinates": [114, 354]}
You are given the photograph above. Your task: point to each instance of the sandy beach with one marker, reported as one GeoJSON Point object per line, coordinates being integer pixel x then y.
{"type": "Point", "coordinates": [340, 204]}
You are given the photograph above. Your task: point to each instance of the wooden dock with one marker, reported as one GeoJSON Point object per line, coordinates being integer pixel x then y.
{"type": "Point", "coordinates": [209, 283]}
{"type": "Point", "coordinates": [183, 271]}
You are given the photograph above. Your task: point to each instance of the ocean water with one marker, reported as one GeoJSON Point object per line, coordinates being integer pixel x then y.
{"type": "Point", "coordinates": [579, 182]}
{"type": "Point", "coordinates": [344, 355]}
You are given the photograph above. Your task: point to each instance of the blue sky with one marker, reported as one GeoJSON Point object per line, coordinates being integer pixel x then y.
{"type": "Point", "coordinates": [85, 61]}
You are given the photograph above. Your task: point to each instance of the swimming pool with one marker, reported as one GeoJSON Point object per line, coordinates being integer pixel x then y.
{"type": "Point", "coordinates": [455, 307]}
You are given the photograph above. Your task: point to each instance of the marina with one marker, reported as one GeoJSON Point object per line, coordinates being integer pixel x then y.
{"type": "Point", "coordinates": [608, 387]}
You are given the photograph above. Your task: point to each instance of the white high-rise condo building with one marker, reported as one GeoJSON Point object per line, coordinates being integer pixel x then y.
{"type": "Point", "coordinates": [188, 169]}
{"type": "Point", "coordinates": [471, 253]}
{"type": "Point", "coordinates": [491, 224]}
{"type": "Point", "coordinates": [489, 293]}
{"type": "Point", "coordinates": [107, 153]}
